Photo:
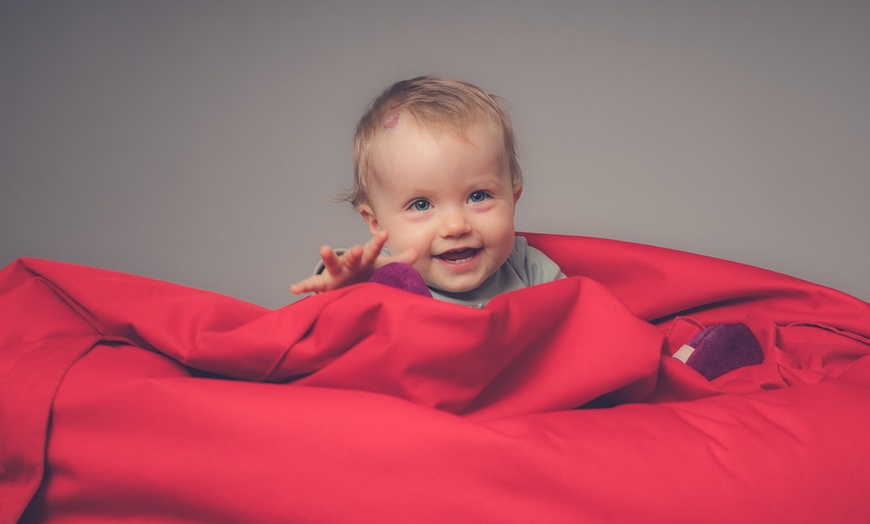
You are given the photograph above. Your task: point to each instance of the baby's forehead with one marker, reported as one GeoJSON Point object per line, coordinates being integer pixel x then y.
{"type": "Point", "coordinates": [406, 147]}
{"type": "Point", "coordinates": [403, 123]}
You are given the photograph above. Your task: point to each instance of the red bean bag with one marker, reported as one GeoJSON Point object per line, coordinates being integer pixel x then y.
{"type": "Point", "coordinates": [129, 399]}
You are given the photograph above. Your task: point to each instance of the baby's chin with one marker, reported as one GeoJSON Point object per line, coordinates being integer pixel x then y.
{"type": "Point", "coordinates": [455, 287]}
{"type": "Point", "coordinates": [453, 290]}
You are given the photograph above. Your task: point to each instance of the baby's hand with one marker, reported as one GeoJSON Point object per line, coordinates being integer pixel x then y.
{"type": "Point", "coordinates": [351, 267]}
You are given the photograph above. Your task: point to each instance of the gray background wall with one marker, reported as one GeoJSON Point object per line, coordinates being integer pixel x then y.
{"type": "Point", "coordinates": [200, 141]}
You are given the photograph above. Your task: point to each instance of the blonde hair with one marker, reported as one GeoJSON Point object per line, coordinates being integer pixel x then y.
{"type": "Point", "coordinates": [433, 102]}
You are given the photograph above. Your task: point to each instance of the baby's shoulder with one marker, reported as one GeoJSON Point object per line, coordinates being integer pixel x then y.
{"type": "Point", "coordinates": [531, 264]}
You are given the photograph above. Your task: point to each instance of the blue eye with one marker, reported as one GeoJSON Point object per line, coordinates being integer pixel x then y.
{"type": "Point", "coordinates": [477, 196]}
{"type": "Point", "coordinates": [420, 205]}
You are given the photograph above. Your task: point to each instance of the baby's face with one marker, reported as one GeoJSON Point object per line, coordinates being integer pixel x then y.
{"type": "Point", "coordinates": [451, 199]}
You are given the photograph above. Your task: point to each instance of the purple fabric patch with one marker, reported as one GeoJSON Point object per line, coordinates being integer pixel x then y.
{"type": "Point", "coordinates": [722, 348]}
{"type": "Point", "coordinates": [401, 276]}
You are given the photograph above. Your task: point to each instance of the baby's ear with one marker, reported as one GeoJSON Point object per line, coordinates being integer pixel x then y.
{"type": "Point", "coordinates": [518, 190]}
{"type": "Point", "coordinates": [368, 215]}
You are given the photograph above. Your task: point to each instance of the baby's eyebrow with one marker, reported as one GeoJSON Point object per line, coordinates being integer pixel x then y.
{"type": "Point", "coordinates": [391, 121]}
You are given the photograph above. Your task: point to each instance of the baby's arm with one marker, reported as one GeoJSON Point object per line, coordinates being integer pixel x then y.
{"type": "Point", "coordinates": [351, 267]}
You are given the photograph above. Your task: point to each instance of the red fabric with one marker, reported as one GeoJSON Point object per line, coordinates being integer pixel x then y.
{"type": "Point", "coordinates": [128, 398]}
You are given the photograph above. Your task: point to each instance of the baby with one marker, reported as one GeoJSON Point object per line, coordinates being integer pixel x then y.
{"type": "Point", "coordinates": [437, 181]}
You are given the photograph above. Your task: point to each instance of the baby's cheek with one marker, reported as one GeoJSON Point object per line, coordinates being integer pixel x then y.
{"type": "Point", "coordinates": [506, 244]}
{"type": "Point", "coordinates": [423, 266]}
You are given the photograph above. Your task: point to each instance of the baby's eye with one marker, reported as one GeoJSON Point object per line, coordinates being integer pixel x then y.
{"type": "Point", "coordinates": [420, 205]}
{"type": "Point", "coordinates": [478, 196]}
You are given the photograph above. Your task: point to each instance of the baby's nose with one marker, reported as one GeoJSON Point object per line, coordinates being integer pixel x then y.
{"type": "Point", "coordinates": [455, 224]}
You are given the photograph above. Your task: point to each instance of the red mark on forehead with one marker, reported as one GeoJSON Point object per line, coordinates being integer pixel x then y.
{"type": "Point", "coordinates": [391, 121]}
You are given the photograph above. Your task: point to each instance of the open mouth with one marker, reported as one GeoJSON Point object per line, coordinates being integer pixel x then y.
{"type": "Point", "coordinates": [458, 256]}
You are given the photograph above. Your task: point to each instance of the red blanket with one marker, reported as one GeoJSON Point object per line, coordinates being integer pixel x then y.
{"type": "Point", "coordinates": [125, 398]}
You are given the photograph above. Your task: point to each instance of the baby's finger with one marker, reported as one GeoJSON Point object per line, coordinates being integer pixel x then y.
{"type": "Point", "coordinates": [373, 247]}
{"type": "Point", "coordinates": [309, 285]}
{"type": "Point", "coordinates": [331, 261]}
{"type": "Point", "coordinates": [352, 257]}
{"type": "Point", "coordinates": [298, 288]}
